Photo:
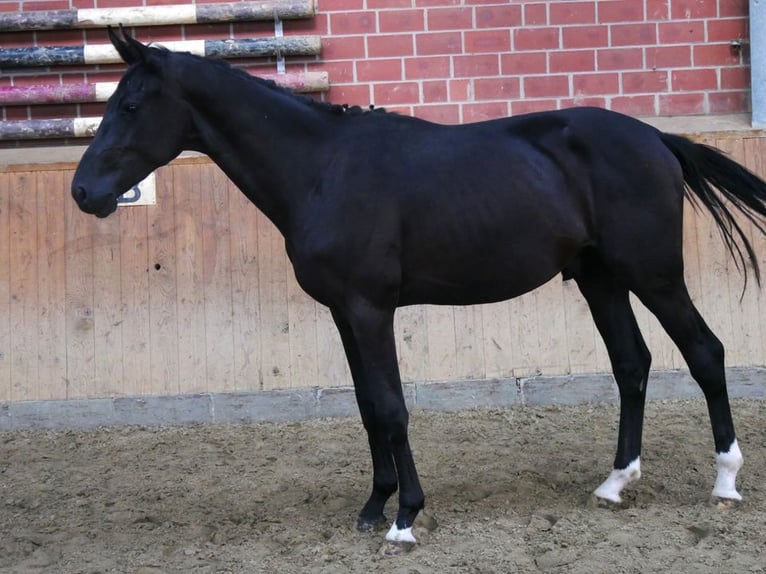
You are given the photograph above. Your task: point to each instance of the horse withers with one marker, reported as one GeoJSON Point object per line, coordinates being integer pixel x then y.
{"type": "Point", "coordinates": [381, 210]}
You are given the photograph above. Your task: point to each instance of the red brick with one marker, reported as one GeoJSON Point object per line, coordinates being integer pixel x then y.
{"type": "Point", "coordinates": [396, 93]}
{"type": "Point", "coordinates": [644, 82]}
{"type": "Point", "coordinates": [9, 6]}
{"type": "Point", "coordinates": [435, 91]}
{"type": "Point", "coordinates": [644, 34]}
{"type": "Point", "coordinates": [431, 44]}
{"type": "Point", "coordinates": [619, 59]}
{"type": "Point", "coordinates": [682, 104]}
{"type": "Point", "coordinates": [716, 55]}
{"type": "Point", "coordinates": [681, 32]}
{"type": "Point", "coordinates": [535, 14]}
{"type": "Point", "coordinates": [596, 84]}
{"type": "Point", "coordinates": [81, 4]}
{"type": "Point", "coordinates": [13, 113]}
{"type": "Point", "coordinates": [428, 3]}
{"type": "Point", "coordinates": [585, 36]}
{"type": "Point", "coordinates": [484, 111]}
{"type": "Point", "coordinates": [390, 45]}
{"type": "Point", "coordinates": [572, 12]}
{"type": "Point", "coordinates": [64, 37]}
{"type": "Point", "coordinates": [353, 23]}
{"type": "Point", "coordinates": [431, 67]}
{"type": "Point", "coordinates": [319, 24]}
{"type": "Point", "coordinates": [669, 57]}
{"type": "Point", "coordinates": [340, 71]}
{"type": "Point", "coordinates": [341, 5]}
{"type": "Point", "coordinates": [524, 63]}
{"type": "Point", "coordinates": [386, 4]}
{"type": "Point", "coordinates": [732, 8]}
{"type": "Point", "coordinates": [657, 10]}
{"type": "Point", "coordinates": [450, 19]}
{"type": "Point", "coordinates": [735, 78]}
{"type": "Point", "coordinates": [440, 114]}
{"type": "Point", "coordinates": [580, 101]}
{"type": "Point", "coordinates": [508, 16]}
{"type": "Point", "coordinates": [620, 11]}
{"type": "Point", "coordinates": [726, 29]}
{"type": "Point", "coordinates": [531, 106]}
{"type": "Point", "coordinates": [692, 9]}
{"type": "Point", "coordinates": [352, 94]}
{"type": "Point", "coordinates": [476, 66]}
{"type": "Point", "coordinates": [536, 39]}
{"type": "Point", "coordinates": [696, 80]}
{"type": "Point", "coordinates": [251, 29]}
{"type": "Point", "coordinates": [343, 47]}
{"type": "Point", "coordinates": [487, 41]}
{"type": "Point", "coordinates": [573, 61]}
{"type": "Point", "coordinates": [728, 102]}
{"type": "Point", "coordinates": [546, 86]}
{"type": "Point", "coordinates": [460, 90]}
{"type": "Point", "coordinates": [54, 112]}
{"type": "Point", "coordinates": [379, 70]}
{"type": "Point", "coordinates": [93, 110]}
{"type": "Point", "coordinates": [497, 88]}
{"type": "Point", "coordinates": [634, 105]}
{"type": "Point", "coordinates": [401, 21]}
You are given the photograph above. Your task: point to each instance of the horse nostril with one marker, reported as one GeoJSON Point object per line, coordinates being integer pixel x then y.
{"type": "Point", "coordinates": [79, 194]}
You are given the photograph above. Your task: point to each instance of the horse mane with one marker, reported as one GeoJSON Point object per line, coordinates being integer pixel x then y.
{"type": "Point", "coordinates": [337, 109]}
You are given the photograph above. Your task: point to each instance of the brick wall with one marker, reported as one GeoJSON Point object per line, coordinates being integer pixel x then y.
{"type": "Point", "coordinates": [466, 60]}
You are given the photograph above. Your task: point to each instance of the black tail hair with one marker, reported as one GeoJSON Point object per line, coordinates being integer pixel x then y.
{"type": "Point", "coordinates": [706, 169]}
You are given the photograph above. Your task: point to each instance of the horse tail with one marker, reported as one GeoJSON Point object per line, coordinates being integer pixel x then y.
{"type": "Point", "coordinates": [705, 170]}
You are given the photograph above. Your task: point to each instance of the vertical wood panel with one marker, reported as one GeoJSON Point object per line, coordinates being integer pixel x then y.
{"type": "Point", "coordinates": [216, 272]}
{"type": "Point", "coordinates": [192, 361]}
{"type": "Point", "coordinates": [469, 339]}
{"type": "Point", "coordinates": [525, 339]}
{"type": "Point", "coordinates": [411, 342]}
{"type": "Point", "coordinates": [24, 301]}
{"type": "Point", "coordinates": [243, 218]}
{"type": "Point", "coordinates": [51, 284]}
{"type": "Point", "coordinates": [302, 317]}
{"type": "Point", "coordinates": [79, 301]}
{"type": "Point", "coordinates": [442, 347]}
{"type": "Point", "coordinates": [551, 318]}
{"type": "Point", "coordinates": [496, 335]}
{"type": "Point", "coordinates": [163, 296]}
{"type": "Point", "coordinates": [5, 288]}
{"type": "Point", "coordinates": [135, 300]}
{"type": "Point", "coordinates": [332, 367]}
{"type": "Point", "coordinates": [581, 331]}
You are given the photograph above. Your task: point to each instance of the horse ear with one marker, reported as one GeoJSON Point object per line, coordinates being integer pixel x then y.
{"type": "Point", "coordinates": [129, 49]}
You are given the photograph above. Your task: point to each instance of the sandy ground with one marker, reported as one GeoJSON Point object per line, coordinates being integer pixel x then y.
{"type": "Point", "coordinates": [510, 489]}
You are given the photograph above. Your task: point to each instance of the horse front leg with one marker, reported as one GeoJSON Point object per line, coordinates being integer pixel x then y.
{"type": "Point", "coordinates": [368, 337]}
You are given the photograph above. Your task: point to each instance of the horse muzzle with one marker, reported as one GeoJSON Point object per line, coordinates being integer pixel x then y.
{"type": "Point", "coordinates": [101, 205]}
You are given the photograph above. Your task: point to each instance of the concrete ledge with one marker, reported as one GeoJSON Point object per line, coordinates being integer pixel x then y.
{"type": "Point", "coordinates": [303, 404]}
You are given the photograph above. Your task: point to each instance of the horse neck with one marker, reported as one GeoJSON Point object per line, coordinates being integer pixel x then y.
{"type": "Point", "coordinates": [265, 140]}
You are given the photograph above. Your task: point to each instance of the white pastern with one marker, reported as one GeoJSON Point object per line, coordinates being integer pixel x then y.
{"type": "Point", "coordinates": [618, 479]}
{"type": "Point", "coordinates": [728, 464]}
{"type": "Point", "coordinates": [404, 535]}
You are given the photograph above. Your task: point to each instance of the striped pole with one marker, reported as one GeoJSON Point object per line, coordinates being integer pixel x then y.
{"type": "Point", "coordinates": [157, 15]}
{"type": "Point", "coordinates": [106, 53]}
{"type": "Point", "coordinates": [305, 82]}
{"type": "Point", "coordinates": [48, 129]}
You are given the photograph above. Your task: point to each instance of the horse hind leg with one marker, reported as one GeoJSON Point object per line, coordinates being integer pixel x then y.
{"type": "Point", "coordinates": [704, 355]}
{"type": "Point", "coordinates": [609, 304]}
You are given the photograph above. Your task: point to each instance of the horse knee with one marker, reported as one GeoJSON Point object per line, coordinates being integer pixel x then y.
{"type": "Point", "coordinates": [631, 376]}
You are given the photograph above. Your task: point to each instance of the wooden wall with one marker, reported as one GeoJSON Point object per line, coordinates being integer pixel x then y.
{"type": "Point", "coordinates": [196, 294]}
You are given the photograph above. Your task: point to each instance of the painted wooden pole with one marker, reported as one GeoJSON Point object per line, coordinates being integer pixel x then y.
{"type": "Point", "coordinates": [106, 54]}
{"type": "Point", "coordinates": [304, 82]}
{"type": "Point", "coordinates": [48, 129]}
{"type": "Point", "coordinates": [157, 15]}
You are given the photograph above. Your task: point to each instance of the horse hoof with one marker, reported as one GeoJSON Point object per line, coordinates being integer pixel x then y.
{"type": "Point", "coordinates": [370, 525]}
{"type": "Point", "coordinates": [397, 548]}
{"type": "Point", "coordinates": [725, 503]}
{"type": "Point", "coordinates": [606, 504]}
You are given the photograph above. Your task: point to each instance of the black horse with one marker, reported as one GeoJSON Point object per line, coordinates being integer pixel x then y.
{"type": "Point", "coordinates": [381, 210]}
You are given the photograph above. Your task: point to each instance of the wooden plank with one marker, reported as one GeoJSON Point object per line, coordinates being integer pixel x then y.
{"type": "Point", "coordinates": [580, 329]}
{"type": "Point", "coordinates": [496, 334]}
{"type": "Point", "coordinates": [469, 343]}
{"type": "Point", "coordinates": [216, 272]}
{"type": "Point", "coordinates": [134, 289]}
{"type": "Point", "coordinates": [79, 301]}
{"type": "Point", "coordinates": [302, 317]}
{"type": "Point", "coordinates": [332, 366]}
{"type": "Point", "coordinates": [24, 303]}
{"type": "Point", "coordinates": [412, 342]}
{"type": "Point", "coordinates": [441, 362]}
{"type": "Point", "coordinates": [553, 350]}
{"type": "Point", "coordinates": [192, 359]}
{"type": "Point", "coordinates": [51, 283]}
{"type": "Point", "coordinates": [525, 339]}
{"type": "Point", "coordinates": [275, 321]}
{"type": "Point", "coordinates": [243, 221]}
{"type": "Point", "coordinates": [5, 288]}
{"type": "Point", "coordinates": [163, 295]}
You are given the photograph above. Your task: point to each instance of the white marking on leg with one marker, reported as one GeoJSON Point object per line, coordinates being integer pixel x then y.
{"type": "Point", "coordinates": [728, 464]}
{"type": "Point", "coordinates": [403, 535]}
{"type": "Point", "coordinates": [618, 479]}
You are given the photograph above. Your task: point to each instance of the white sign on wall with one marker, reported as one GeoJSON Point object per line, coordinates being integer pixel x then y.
{"type": "Point", "coordinates": [143, 193]}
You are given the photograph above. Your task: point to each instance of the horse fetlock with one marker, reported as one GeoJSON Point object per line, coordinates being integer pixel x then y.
{"type": "Point", "coordinates": [728, 464]}
{"type": "Point", "coordinates": [617, 480]}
